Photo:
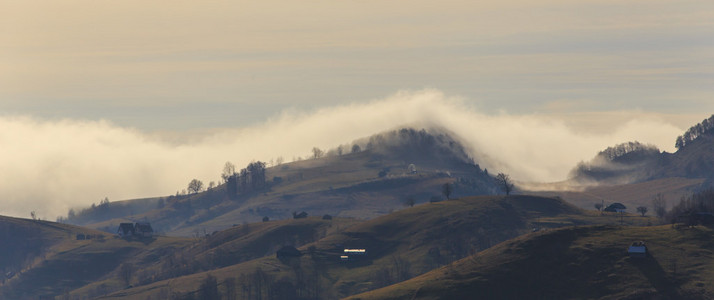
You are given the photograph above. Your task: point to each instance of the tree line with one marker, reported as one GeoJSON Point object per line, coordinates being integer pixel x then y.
{"type": "Point", "coordinates": [611, 153]}
{"type": "Point", "coordinates": [249, 179]}
{"type": "Point", "coordinates": [700, 202]}
{"type": "Point", "coordinates": [694, 132]}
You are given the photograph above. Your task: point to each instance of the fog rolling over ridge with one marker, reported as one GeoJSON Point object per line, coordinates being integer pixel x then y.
{"type": "Point", "coordinates": [49, 166]}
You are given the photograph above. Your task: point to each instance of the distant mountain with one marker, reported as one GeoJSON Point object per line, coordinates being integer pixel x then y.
{"type": "Point", "coordinates": [635, 162]}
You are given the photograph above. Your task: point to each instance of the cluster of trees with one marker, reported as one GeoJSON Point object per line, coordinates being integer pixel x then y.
{"type": "Point", "coordinates": [701, 202]}
{"type": "Point", "coordinates": [249, 179]}
{"type": "Point", "coordinates": [502, 182]}
{"type": "Point", "coordinates": [258, 285]}
{"type": "Point", "coordinates": [399, 269]}
{"type": "Point", "coordinates": [612, 153]}
{"type": "Point", "coordinates": [694, 132]}
{"type": "Point", "coordinates": [95, 211]}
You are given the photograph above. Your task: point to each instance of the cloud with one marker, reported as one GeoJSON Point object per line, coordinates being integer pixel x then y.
{"type": "Point", "coordinates": [50, 166]}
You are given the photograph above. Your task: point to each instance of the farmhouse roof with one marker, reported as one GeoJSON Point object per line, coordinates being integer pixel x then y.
{"type": "Point", "coordinates": [126, 228]}
{"type": "Point", "coordinates": [143, 227]}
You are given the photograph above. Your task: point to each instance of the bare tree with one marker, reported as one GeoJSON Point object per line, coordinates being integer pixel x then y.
{"type": "Point", "coordinates": [231, 291]}
{"type": "Point", "coordinates": [340, 150]}
{"type": "Point", "coordinates": [659, 205]}
{"type": "Point", "coordinates": [33, 215]}
{"type": "Point", "coordinates": [195, 186]}
{"type": "Point", "coordinates": [598, 206]}
{"type": "Point", "coordinates": [126, 272]}
{"type": "Point", "coordinates": [446, 189]}
{"type": "Point", "coordinates": [209, 288]}
{"type": "Point", "coordinates": [229, 169]}
{"type": "Point", "coordinates": [356, 148]}
{"type": "Point", "coordinates": [279, 160]}
{"type": "Point", "coordinates": [503, 181]}
{"type": "Point", "coordinates": [642, 210]}
{"type": "Point", "coordinates": [317, 152]}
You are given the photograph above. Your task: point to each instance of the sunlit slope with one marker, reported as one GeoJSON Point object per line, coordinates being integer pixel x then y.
{"type": "Point", "coordinates": [575, 263]}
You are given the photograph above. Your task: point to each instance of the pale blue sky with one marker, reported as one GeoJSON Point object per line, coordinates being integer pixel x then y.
{"type": "Point", "coordinates": [183, 64]}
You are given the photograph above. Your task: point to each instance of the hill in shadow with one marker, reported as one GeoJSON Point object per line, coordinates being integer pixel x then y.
{"type": "Point", "coordinates": [398, 246]}
{"type": "Point", "coordinates": [577, 262]}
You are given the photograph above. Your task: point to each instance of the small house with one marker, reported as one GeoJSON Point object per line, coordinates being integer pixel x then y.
{"type": "Point", "coordinates": [615, 207]}
{"type": "Point", "coordinates": [143, 229]}
{"type": "Point", "coordinates": [125, 229]}
{"type": "Point", "coordinates": [637, 250]}
{"type": "Point", "coordinates": [301, 215]}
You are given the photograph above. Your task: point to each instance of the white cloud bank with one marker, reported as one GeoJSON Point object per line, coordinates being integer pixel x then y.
{"type": "Point", "coordinates": [50, 166]}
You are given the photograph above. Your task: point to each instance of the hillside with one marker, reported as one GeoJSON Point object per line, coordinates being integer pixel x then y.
{"type": "Point", "coordinates": [631, 195]}
{"type": "Point", "coordinates": [398, 246]}
{"type": "Point", "coordinates": [578, 262]}
{"type": "Point", "coordinates": [635, 162]}
{"type": "Point", "coordinates": [374, 180]}
{"type": "Point", "coordinates": [47, 258]}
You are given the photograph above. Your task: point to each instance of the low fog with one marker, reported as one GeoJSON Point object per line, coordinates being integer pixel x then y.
{"type": "Point", "coordinates": [50, 166]}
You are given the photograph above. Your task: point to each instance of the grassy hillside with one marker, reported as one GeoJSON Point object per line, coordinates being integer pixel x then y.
{"type": "Point", "coordinates": [365, 184]}
{"type": "Point", "coordinates": [46, 258]}
{"type": "Point", "coordinates": [631, 195]}
{"type": "Point", "coordinates": [399, 246]}
{"type": "Point", "coordinates": [577, 262]}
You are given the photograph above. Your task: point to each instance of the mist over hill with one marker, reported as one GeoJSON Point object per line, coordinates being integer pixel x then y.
{"type": "Point", "coordinates": [636, 162]}
{"type": "Point", "coordinates": [71, 163]}
{"type": "Point", "coordinates": [370, 177]}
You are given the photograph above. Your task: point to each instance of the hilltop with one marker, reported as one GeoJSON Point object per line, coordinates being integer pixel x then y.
{"type": "Point", "coordinates": [635, 162]}
{"type": "Point", "coordinates": [373, 178]}
{"type": "Point", "coordinates": [634, 174]}
{"type": "Point", "coordinates": [576, 262]}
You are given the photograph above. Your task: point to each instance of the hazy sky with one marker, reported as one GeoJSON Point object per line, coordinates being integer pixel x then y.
{"type": "Point", "coordinates": [135, 98]}
{"type": "Point", "coordinates": [189, 64]}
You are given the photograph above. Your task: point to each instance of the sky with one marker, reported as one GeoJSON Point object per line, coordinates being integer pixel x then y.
{"type": "Point", "coordinates": [132, 98]}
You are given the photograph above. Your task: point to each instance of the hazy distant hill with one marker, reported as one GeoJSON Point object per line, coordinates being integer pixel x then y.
{"type": "Point", "coordinates": [374, 179]}
{"type": "Point", "coordinates": [635, 162]}
{"type": "Point", "coordinates": [574, 263]}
